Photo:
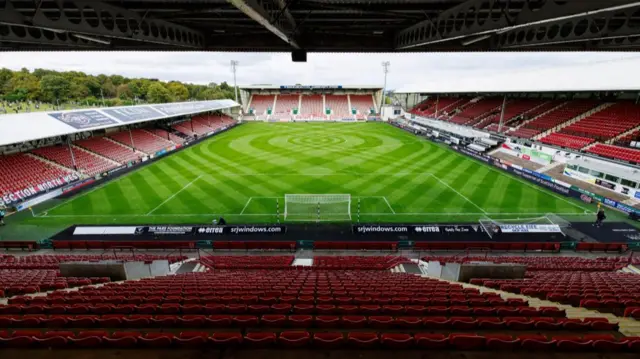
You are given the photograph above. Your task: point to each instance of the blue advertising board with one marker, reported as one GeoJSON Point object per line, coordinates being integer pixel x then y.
{"type": "Point", "coordinates": [133, 113]}
{"type": "Point", "coordinates": [81, 120]}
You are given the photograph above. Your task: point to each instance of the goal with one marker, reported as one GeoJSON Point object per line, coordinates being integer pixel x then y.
{"type": "Point", "coordinates": [317, 207]}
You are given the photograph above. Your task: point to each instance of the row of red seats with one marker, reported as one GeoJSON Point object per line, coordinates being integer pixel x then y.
{"type": "Point", "coordinates": [500, 309]}
{"type": "Point", "coordinates": [566, 140]}
{"type": "Point", "coordinates": [326, 340]}
{"type": "Point", "coordinates": [551, 263]}
{"type": "Point", "coordinates": [307, 321]}
{"type": "Point", "coordinates": [615, 152]}
{"type": "Point", "coordinates": [20, 171]}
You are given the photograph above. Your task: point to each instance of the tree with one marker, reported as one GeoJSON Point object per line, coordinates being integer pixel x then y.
{"type": "Point", "coordinates": [116, 80]}
{"type": "Point", "coordinates": [55, 87]}
{"type": "Point", "coordinates": [158, 93]}
{"type": "Point", "coordinates": [178, 91]}
{"type": "Point", "coordinates": [124, 92]}
{"type": "Point", "coordinates": [5, 76]}
{"type": "Point", "coordinates": [108, 89]}
{"type": "Point", "coordinates": [24, 81]}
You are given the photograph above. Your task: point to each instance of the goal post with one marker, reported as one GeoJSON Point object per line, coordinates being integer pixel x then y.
{"type": "Point", "coordinates": [317, 207]}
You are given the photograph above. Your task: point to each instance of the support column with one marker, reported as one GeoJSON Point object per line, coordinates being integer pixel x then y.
{"type": "Point", "coordinates": [133, 145]}
{"type": "Point", "coordinates": [73, 157]}
{"type": "Point", "coordinates": [437, 103]}
{"type": "Point", "coordinates": [504, 106]}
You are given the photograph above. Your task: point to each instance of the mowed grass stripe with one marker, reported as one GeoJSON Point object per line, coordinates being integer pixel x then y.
{"type": "Point", "coordinates": [360, 159]}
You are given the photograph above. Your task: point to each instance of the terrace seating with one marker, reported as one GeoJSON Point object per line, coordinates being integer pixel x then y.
{"type": "Point", "coordinates": [513, 109]}
{"type": "Point", "coordinates": [445, 104]}
{"type": "Point", "coordinates": [284, 105]}
{"type": "Point", "coordinates": [356, 307]}
{"type": "Point", "coordinates": [19, 282]}
{"type": "Point", "coordinates": [191, 127]}
{"type": "Point", "coordinates": [524, 132]}
{"type": "Point", "coordinates": [561, 114]}
{"type": "Point", "coordinates": [21, 171]}
{"type": "Point", "coordinates": [86, 162]}
{"type": "Point", "coordinates": [320, 340]}
{"type": "Point", "coordinates": [312, 107]}
{"type": "Point", "coordinates": [215, 122]}
{"type": "Point", "coordinates": [363, 104]}
{"type": "Point", "coordinates": [339, 105]}
{"type": "Point", "coordinates": [107, 148]}
{"type": "Point", "coordinates": [52, 261]}
{"type": "Point", "coordinates": [358, 262]}
{"type": "Point", "coordinates": [248, 262]}
{"type": "Point", "coordinates": [615, 152]}
{"type": "Point", "coordinates": [607, 123]}
{"type": "Point", "coordinates": [564, 140]}
{"type": "Point", "coordinates": [261, 103]}
{"type": "Point", "coordinates": [170, 136]}
{"type": "Point", "coordinates": [628, 138]}
{"type": "Point", "coordinates": [142, 141]}
{"type": "Point", "coordinates": [473, 111]}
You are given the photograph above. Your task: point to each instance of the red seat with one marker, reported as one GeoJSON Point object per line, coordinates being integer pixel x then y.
{"type": "Point", "coordinates": [606, 342]}
{"type": "Point", "coordinates": [273, 320]}
{"type": "Point", "coordinates": [572, 343]}
{"type": "Point", "coordinates": [396, 340]}
{"type": "Point", "coordinates": [226, 339]}
{"type": "Point", "coordinates": [502, 342]}
{"type": "Point", "coordinates": [294, 339]}
{"type": "Point", "coordinates": [191, 339]}
{"type": "Point", "coordinates": [328, 340]}
{"type": "Point", "coordinates": [363, 340]}
{"type": "Point", "coordinates": [157, 340]}
{"type": "Point", "coordinates": [431, 341]}
{"type": "Point", "coordinates": [260, 339]}
{"type": "Point", "coordinates": [535, 342]}
{"type": "Point", "coordinates": [467, 341]}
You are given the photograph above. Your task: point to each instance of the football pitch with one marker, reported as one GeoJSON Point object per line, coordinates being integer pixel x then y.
{"type": "Point", "coordinates": [243, 175]}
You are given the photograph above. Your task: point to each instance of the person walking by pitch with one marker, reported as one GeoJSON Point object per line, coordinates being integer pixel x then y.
{"type": "Point", "coordinates": [600, 217]}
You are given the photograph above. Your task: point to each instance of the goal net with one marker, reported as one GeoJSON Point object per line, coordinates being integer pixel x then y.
{"type": "Point", "coordinates": [317, 207]}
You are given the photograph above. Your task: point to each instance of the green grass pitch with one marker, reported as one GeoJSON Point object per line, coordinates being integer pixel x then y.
{"type": "Point", "coordinates": [240, 174]}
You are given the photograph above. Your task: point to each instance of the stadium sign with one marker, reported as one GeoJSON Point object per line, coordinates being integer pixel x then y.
{"type": "Point", "coordinates": [176, 231]}
{"type": "Point", "coordinates": [82, 120]}
{"type": "Point", "coordinates": [11, 198]}
{"type": "Point", "coordinates": [301, 87]}
{"type": "Point", "coordinates": [417, 229]}
{"type": "Point", "coordinates": [530, 228]}
{"type": "Point", "coordinates": [133, 113]}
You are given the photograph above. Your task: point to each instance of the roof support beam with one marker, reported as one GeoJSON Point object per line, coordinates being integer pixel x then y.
{"type": "Point", "coordinates": [254, 10]}
{"type": "Point", "coordinates": [476, 18]}
{"type": "Point", "coordinates": [99, 19]}
{"type": "Point", "coordinates": [600, 28]}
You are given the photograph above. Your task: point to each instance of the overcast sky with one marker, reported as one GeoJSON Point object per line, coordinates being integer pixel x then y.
{"type": "Point", "coordinates": [321, 69]}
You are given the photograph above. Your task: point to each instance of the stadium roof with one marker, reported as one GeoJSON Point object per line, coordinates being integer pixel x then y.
{"type": "Point", "coordinates": [25, 127]}
{"type": "Point", "coordinates": [307, 87]}
{"type": "Point", "coordinates": [320, 25]}
{"type": "Point", "coordinates": [610, 76]}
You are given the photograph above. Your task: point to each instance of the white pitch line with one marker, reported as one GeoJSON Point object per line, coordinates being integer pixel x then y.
{"type": "Point", "coordinates": [459, 194]}
{"type": "Point", "coordinates": [246, 205]}
{"type": "Point", "coordinates": [389, 204]}
{"type": "Point", "coordinates": [175, 194]}
{"type": "Point", "coordinates": [273, 214]}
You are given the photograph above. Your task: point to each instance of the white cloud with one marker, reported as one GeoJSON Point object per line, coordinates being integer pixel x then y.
{"type": "Point", "coordinates": [321, 69]}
